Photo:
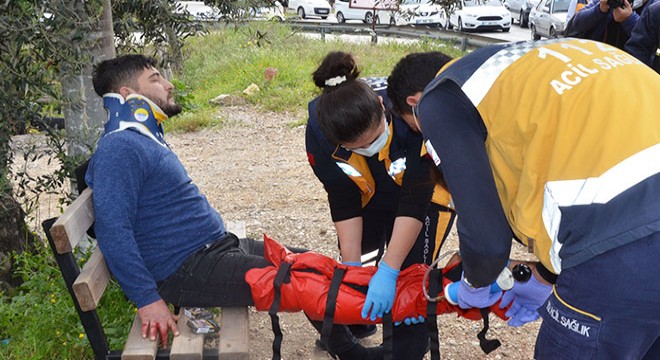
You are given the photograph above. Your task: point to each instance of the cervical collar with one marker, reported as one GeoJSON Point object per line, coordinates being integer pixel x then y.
{"type": "Point", "coordinates": [136, 112]}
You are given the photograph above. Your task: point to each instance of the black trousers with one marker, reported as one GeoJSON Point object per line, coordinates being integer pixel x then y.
{"type": "Point", "coordinates": [409, 341]}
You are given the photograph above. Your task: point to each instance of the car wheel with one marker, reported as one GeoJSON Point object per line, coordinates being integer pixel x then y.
{"type": "Point", "coordinates": [524, 21]}
{"type": "Point", "coordinates": [392, 21]}
{"type": "Point", "coordinates": [369, 18]}
{"type": "Point", "coordinates": [553, 33]}
{"type": "Point", "coordinates": [301, 13]}
{"type": "Point", "coordinates": [535, 36]}
{"type": "Point", "coordinates": [449, 25]}
{"type": "Point", "coordinates": [460, 24]}
{"type": "Point", "coordinates": [323, 17]}
{"type": "Point", "coordinates": [340, 17]}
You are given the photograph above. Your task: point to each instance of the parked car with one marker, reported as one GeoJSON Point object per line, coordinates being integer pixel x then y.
{"type": "Point", "coordinates": [480, 15]}
{"type": "Point", "coordinates": [520, 10]}
{"type": "Point", "coordinates": [307, 8]}
{"type": "Point", "coordinates": [343, 12]}
{"type": "Point", "coordinates": [419, 12]}
{"type": "Point", "coordinates": [548, 19]}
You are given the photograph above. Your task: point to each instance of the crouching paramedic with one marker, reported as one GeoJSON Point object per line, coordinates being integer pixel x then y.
{"type": "Point", "coordinates": [379, 183]}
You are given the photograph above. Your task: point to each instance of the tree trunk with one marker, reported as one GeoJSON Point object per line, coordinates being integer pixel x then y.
{"type": "Point", "coordinates": [84, 115]}
{"type": "Point", "coordinates": [14, 237]}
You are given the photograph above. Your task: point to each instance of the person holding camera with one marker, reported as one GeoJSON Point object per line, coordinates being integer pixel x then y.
{"type": "Point", "coordinates": [609, 21]}
{"type": "Point", "coordinates": [644, 43]}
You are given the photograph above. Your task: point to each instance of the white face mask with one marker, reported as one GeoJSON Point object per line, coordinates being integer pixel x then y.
{"type": "Point", "coordinates": [376, 146]}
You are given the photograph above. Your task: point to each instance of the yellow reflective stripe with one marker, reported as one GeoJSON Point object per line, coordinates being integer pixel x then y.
{"type": "Point", "coordinates": [554, 290]}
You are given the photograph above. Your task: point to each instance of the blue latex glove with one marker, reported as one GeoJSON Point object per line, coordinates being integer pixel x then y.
{"type": "Point", "coordinates": [527, 297]}
{"type": "Point", "coordinates": [469, 297]}
{"type": "Point", "coordinates": [410, 320]}
{"type": "Point", "coordinates": [380, 296]}
{"type": "Point", "coordinates": [352, 263]}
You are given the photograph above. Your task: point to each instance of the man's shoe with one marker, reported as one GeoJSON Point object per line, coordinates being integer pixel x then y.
{"type": "Point", "coordinates": [359, 352]}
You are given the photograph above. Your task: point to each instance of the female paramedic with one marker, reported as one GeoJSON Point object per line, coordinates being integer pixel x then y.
{"type": "Point", "coordinates": [382, 189]}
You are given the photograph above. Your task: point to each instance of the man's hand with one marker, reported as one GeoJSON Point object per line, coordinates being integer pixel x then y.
{"type": "Point", "coordinates": [527, 297]}
{"type": "Point", "coordinates": [157, 318]}
{"type": "Point", "coordinates": [470, 297]}
{"type": "Point", "coordinates": [380, 296]}
{"type": "Point", "coordinates": [622, 14]}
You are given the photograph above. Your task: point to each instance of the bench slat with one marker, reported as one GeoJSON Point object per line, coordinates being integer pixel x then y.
{"type": "Point", "coordinates": [92, 281]}
{"type": "Point", "coordinates": [188, 345]}
{"type": "Point", "coordinates": [234, 334]}
{"type": "Point", "coordinates": [70, 228]}
{"type": "Point", "coordinates": [137, 347]}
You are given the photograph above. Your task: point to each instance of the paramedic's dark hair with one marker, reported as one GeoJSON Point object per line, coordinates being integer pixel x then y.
{"type": "Point", "coordinates": [411, 75]}
{"type": "Point", "coordinates": [110, 75]}
{"type": "Point", "coordinates": [344, 110]}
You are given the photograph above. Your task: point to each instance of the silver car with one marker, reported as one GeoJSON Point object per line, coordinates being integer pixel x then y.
{"type": "Point", "coordinates": [548, 19]}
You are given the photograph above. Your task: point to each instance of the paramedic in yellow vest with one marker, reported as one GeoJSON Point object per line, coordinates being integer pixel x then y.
{"type": "Point", "coordinates": [538, 143]}
{"type": "Point", "coordinates": [379, 181]}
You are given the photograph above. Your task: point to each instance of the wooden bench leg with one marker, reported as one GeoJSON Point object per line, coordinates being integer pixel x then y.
{"type": "Point", "coordinates": [234, 334]}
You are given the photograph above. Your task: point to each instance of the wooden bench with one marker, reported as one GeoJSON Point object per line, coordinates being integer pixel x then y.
{"type": "Point", "coordinates": [88, 284]}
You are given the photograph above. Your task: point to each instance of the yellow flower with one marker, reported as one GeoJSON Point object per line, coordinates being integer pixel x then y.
{"type": "Point", "coordinates": [81, 335]}
{"type": "Point", "coordinates": [52, 301]}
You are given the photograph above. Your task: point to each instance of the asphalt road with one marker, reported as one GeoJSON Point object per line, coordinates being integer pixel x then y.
{"type": "Point", "coordinates": [515, 34]}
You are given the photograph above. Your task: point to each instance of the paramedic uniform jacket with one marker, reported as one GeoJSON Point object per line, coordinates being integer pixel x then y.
{"type": "Point", "coordinates": [538, 140]}
{"type": "Point", "coordinates": [398, 179]}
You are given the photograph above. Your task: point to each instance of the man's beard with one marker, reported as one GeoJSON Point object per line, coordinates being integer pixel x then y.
{"type": "Point", "coordinates": [171, 109]}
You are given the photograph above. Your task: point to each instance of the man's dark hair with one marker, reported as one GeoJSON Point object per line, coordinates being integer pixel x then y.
{"type": "Point", "coordinates": [411, 75]}
{"type": "Point", "coordinates": [110, 75]}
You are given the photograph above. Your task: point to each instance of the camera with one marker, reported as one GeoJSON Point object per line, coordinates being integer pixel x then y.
{"type": "Point", "coordinates": [616, 3]}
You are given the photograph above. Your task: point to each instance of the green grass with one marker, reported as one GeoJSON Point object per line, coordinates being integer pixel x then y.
{"type": "Point", "coordinates": [39, 320]}
{"type": "Point", "coordinates": [229, 59]}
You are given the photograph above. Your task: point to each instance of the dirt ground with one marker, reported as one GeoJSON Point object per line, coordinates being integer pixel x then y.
{"type": "Point", "coordinates": [255, 169]}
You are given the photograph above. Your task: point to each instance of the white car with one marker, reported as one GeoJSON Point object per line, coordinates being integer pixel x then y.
{"type": "Point", "coordinates": [480, 15]}
{"type": "Point", "coordinates": [420, 12]}
{"type": "Point", "coordinates": [307, 8]}
{"type": "Point", "coordinates": [549, 19]}
{"type": "Point", "coordinates": [343, 12]}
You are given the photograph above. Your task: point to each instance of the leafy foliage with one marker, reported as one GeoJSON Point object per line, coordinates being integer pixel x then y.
{"type": "Point", "coordinates": [40, 321]}
{"type": "Point", "coordinates": [160, 26]}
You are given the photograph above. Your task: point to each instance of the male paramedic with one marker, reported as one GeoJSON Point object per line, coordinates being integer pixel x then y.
{"type": "Point", "coordinates": [556, 144]}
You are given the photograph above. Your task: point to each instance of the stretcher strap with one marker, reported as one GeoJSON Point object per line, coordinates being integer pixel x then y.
{"type": "Point", "coordinates": [486, 345]}
{"type": "Point", "coordinates": [282, 275]}
{"type": "Point", "coordinates": [330, 306]}
{"type": "Point", "coordinates": [435, 278]}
